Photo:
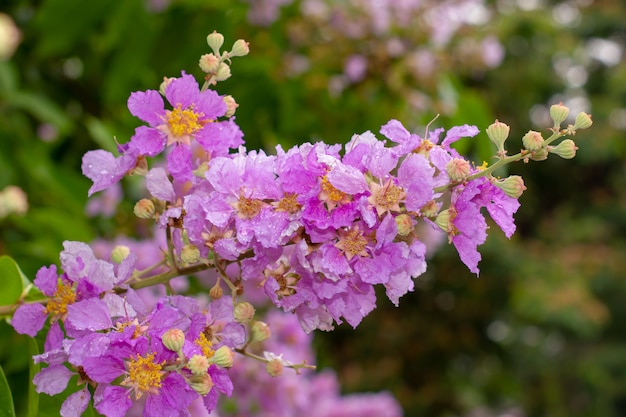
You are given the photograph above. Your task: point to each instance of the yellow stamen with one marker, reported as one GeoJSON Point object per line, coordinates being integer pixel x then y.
{"type": "Point", "coordinates": [64, 296]}
{"type": "Point", "coordinates": [183, 122]}
{"type": "Point", "coordinates": [205, 345]}
{"type": "Point", "coordinates": [144, 375]}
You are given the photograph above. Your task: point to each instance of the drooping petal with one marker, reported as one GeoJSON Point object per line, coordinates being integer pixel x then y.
{"type": "Point", "coordinates": [29, 319]}
{"type": "Point", "coordinates": [147, 106]}
{"type": "Point", "coordinates": [52, 380]}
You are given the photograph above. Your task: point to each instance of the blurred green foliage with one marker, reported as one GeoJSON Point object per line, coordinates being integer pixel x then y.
{"type": "Point", "coordinates": [541, 332]}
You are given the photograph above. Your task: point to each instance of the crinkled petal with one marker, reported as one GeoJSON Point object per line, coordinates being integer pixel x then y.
{"type": "Point", "coordinates": [113, 401]}
{"type": "Point", "coordinates": [104, 169]}
{"type": "Point", "coordinates": [182, 91]}
{"type": "Point", "coordinates": [29, 319]}
{"type": "Point", "coordinates": [148, 141]}
{"type": "Point", "coordinates": [47, 280]}
{"type": "Point", "coordinates": [90, 314]}
{"type": "Point", "coordinates": [52, 380]}
{"type": "Point", "coordinates": [76, 404]}
{"type": "Point", "coordinates": [159, 184]}
{"type": "Point", "coordinates": [147, 106]}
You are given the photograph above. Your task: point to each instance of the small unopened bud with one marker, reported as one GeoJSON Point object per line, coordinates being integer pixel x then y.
{"type": "Point", "coordinates": [458, 169]}
{"type": "Point", "coordinates": [244, 312]}
{"type": "Point", "coordinates": [443, 220]}
{"type": "Point", "coordinates": [119, 253]}
{"type": "Point", "coordinates": [240, 48]}
{"type": "Point", "coordinates": [201, 384]}
{"type": "Point", "coordinates": [209, 63]}
{"type": "Point", "coordinates": [198, 364]}
{"type": "Point", "coordinates": [144, 209]}
{"type": "Point", "coordinates": [166, 82]}
{"type": "Point", "coordinates": [259, 331]}
{"type": "Point", "coordinates": [583, 121]}
{"type": "Point", "coordinates": [429, 209]}
{"type": "Point", "coordinates": [189, 254]}
{"type": "Point", "coordinates": [558, 113]}
{"type": "Point", "coordinates": [533, 141]}
{"type": "Point", "coordinates": [566, 149]}
{"type": "Point", "coordinates": [404, 224]}
{"type": "Point", "coordinates": [215, 41]}
{"type": "Point", "coordinates": [223, 357]}
{"type": "Point", "coordinates": [173, 339]}
{"type": "Point", "coordinates": [223, 72]}
{"type": "Point", "coordinates": [540, 154]}
{"type": "Point", "coordinates": [498, 133]}
{"type": "Point", "coordinates": [274, 367]}
{"type": "Point", "coordinates": [231, 105]}
{"type": "Point", "coordinates": [513, 185]}
{"type": "Point", "coordinates": [216, 292]}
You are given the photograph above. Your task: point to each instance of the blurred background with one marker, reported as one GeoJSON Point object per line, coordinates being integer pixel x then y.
{"type": "Point", "coordinates": [542, 332]}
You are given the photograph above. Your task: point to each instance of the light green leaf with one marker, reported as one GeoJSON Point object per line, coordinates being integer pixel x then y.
{"type": "Point", "coordinates": [33, 396]}
{"type": "Point", "coordinates": [6, 399]}
{"type": "Point", "coordinates": [13, 281]}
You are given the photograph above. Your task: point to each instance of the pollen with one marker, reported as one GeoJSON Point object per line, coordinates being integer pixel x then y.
{"type": "Point", "coordinates": [386, 198]}
{"type": "Point", "coordinates": [331, 193]}
{"type": "Point", "coordinates": [183, 123]}
{"type": "Point", "coordinates": [288, 203]}
{"type": "Point", "coordinates": [144, 375]}
{"type": "Point", "coordinates": [205, 345]}
{"type": "Point", "coordinates": [248, 207]}
{"type": "Point", "coordinates": [353, 243]}
{"type": "Point", "coordinates": [63, 296]}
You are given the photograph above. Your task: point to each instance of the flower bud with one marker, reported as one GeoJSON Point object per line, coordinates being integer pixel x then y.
{"type": "Point", "coordinates": [583, 121]}
{"type": "Point", "coordinates": [173, 339]}
{"type": "Point", "coordinates": [166, 82]}
{"type": "Point", "coordinates": [558, 113]}
{"type": "Point", "coordinates": [198, 364]}
{"type": "Point", "coordinates": [189, 254]}
{"type": "Point", "coordinates": [259, 331]}
{"type": "Point", "coordinates": [274, 367]}
{"type": "Point", "coordinates": [144, 209]}
{"type": "Point", "coordinates": [240, 48]}
{"type": "Point", "coordinates": [209, 63]}
{"type": "Point", "coordinates": [201, 384]}
{"type": "Point", "coordinates": [458, 169]}
{"type": "Point", "coordinates": [404, 224]}
{"type": "Point", "coordinates": [429, 209]}
{"type": "Point", "coordinates": [223, 72]}
{"type": "Point", "coordinates": [231, 105]}
{"type": "Point", "coordinates": [498, 133]}
{"type": "Point", "coordinates": [223, 357]}
{"type": "Point", "coordinates": [215, 41]}
{"type": "Point", "coordinates": [513, 186]}
{"type": "Point", "coordinates": [539, 155]}
{"type": "Point", "coordinates": [244, 312]}
{"type": "Point", "coordinates": [119, 253]}
{"type": "Point", "coordinates": [533, 141]}
{"type": "Point", "coordinates": [443, 220]}
{"type": "Point", "coordinates": [216, 292]}
{"type": "Point", "coordinates": [566, 149]}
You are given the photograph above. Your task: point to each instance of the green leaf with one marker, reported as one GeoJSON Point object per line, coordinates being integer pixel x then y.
{"type": "Point", "coordinates": [13, 281]}
{"type": "Point", "coordinates": [33, 369]}
{"type": "Point", "coordinates": [6, 399]}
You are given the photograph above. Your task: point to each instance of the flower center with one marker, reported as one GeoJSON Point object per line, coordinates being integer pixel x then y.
{"type": "Point", "coordinates": [63, 296]}
{"type": "Point", "coordinates": [352, 243]}
{"type": "Point", "coordinates": [183, 122]}
{"type": "Point", "coordinates": [205, 345]}
{"type": "Point", "coordinates": [386, 198]}
{"type": "Point", "coordinates": [144, 375]}
{"type": "Point", "coordinates": [248, 207]}
{"type": "Point", "coordinates": [288, 203]}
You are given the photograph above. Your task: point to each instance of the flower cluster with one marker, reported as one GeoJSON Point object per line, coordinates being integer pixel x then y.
{"type": "Point", "coordinates": [312, 229]}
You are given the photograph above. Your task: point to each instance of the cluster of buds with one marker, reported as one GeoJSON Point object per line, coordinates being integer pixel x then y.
{"type": "Point", "coordinates": [216, 64]}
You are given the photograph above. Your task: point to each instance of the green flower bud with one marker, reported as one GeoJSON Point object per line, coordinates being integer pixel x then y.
{"type": "Point", "coordinates": [533, 141]}
{"type": "Point", "coordinates": [215, 41]}
{"type": "Point", "coordinates": [216, 292]}
{"type": "Point", "coordinates": [119, 253]}
{"type": "Point", "coordinates": [566, 149]}
{"type": "Point", "coordinates": [539, 155]}
{"type": "Point", "coordinates": [429, 209]}
{"type": "Point", "coordinates": [223, 72]}
{"type": "Point", "coordinates": [513, 186]}
{"type": "Point", "coordinates": [443, 220]}
{"type": "Point", "coordinates": [259, 331]}
{"type": "Point", "coordinates": [198, 364]}
{"type": "Point", "coordinates": [144, 209]}
{"type": "Point", "coordinates": [244, 312]}
{"type": "Point", "coordinates": [404, 224]}
{"type": "Point", "coordinates": [498, 133]}
{"type": "Point", "coordinates": [223, 357]}
{"type": "Point", "coordinates": [458, 169]}
{"type": "Point", "coordinates": [240, 48]}
{"type": "Point", "coordinates": [209, 63]}
{"type": "Point", "coordinates": [190, 254]}
{"type": "Point", "coordinates": [558, 113]}
{"type": "Point", "coordinates": [173, 339]}
{"type": "Point", "coordinates": [166, 81]}
{"type": "Point", "coordinates": [583, 121]}
{"type": "Point", "coordinates": [274, 367]}
{"type": "Point", "coordinates": [201, 384]}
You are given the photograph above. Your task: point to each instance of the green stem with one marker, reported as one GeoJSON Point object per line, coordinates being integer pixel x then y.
{"type": "Point", "coordinates": [296, 366]}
